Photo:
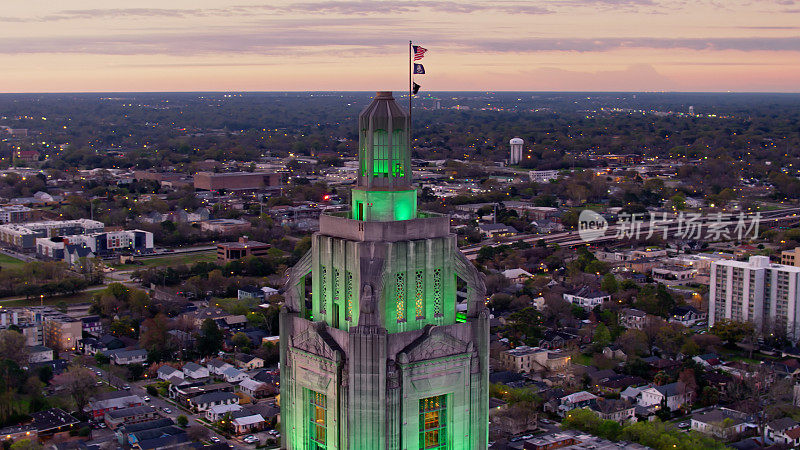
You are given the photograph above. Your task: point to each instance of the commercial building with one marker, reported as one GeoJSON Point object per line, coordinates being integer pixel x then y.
{"type": "Point", "coordinates": [102, 403]}
{"type": "Point", "coordinates": [377, 359]}
{"type": "Point", "coordinates": [756, 291]}
{"type": "Point", "coordinates": [235, 181]}
{"type": "Point", "coordinates": [225, 226]}
{"type": "Point", "coordinates": [543, 176]}
{"type": "Point", "coordinates": [231, 251]}
{"type": "Point", "coordinates": [23, 236]}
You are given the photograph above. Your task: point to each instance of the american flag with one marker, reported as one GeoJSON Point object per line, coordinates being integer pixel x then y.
{"type": "Point", "coordinates": [419, 52]}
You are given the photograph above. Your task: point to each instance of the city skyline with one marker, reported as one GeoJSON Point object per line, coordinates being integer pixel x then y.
{"type": "Point", "coordinates": [570, 45]}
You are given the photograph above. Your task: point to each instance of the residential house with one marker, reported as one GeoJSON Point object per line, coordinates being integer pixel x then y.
{"type": "Point", "coordinates": [125, 357]}
{"type": "Point", "coordinates": [783, 431]}
{"type": "Point", "coordinates": [135, 414]}
{"type": "Point", "coordinates": [617, 384]}
{"type": "Point", "coordinates": [182, 394]}
{"type": "Point", "coordinates": [216, 413]}
{"type": "Point", "coordinates": [721, 423]}
{"type": "Point", "coordinates": [195, 371]}
{"type": "Point", "coordinates": [555, 339]}
{"type": "Point", "coordinates": [233, 375]}
{"type": "Point", "coordinates": [673, 396]}
{"type": "Point", "coordinates": [204, 401]}
{"type": "Point", "coordinates": [586, 297]}
{"type": "Point", "coordinates": [708, 360]}
{"type": "Point", "coordinates": [620, 411]}
{"type": "Point", "coordinates": [687, 315]}
{"type": "Point", "coordinates": [255, 389]}
{"type": "Point", "coordinates": [534, 359]}
{"type": "Point", "coordinates": [632, 393]}
{"type": "Point", "coordinates": [166, 372]}
{"type": "Point", "coordinates": [92, 345]}
{"type": "Point", "coordinates": [517, 276]}
{"type": "Point", "coordinates": [248, 362]}
{"type": "Point", "coordinates": [577, 400]}
{"type": "Point", "coordinates": [632, 318]}
{"type": "Point", "coordinates": [614, 351]}
{"type": "Point", "coordinates": [217, 366]}
{"type": "Point", "coordinates": [248, 424]}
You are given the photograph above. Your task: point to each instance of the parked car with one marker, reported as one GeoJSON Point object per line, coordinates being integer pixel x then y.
{"type": "Point", "coordinates": [127, 387]}
{"type": "Point", "coordinates": [250, 439]}
{"type": "Point", "coordinates": [215, 439]}
{"type": "Point", "coordinates": [167, 410]}
{"type": "Point", "coordinates": [146, 398]}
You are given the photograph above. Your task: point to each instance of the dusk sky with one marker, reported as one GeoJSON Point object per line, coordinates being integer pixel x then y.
{"type": "Point", "coordinates": [573, 45]}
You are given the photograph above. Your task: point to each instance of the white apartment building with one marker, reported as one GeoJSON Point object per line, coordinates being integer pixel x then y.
{"type": "Point", "coordinates": [756, 291]}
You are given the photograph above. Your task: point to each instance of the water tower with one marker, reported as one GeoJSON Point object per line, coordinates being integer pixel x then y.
{"type": "Point", "coordinates": [516, 151]}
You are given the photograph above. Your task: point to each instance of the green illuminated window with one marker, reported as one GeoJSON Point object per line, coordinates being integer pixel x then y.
{"type": "Point", "coordinates": [419, 294]}
{"type": "Point", "coordinates": [380, 153]}
{"type": "Point", "coordinates": [433, 423]}
{"type": "Point", "coordinates": [317, 420]}
{"type": "Point", "coordinates": [348, 292]}
{"type": "Point", "coordinates": [437, 292]}
{"type": "Point", "coordinates": [323, 288]}
{"type": "Point", "coordinates": [401, 296]}
{"type": "Point", "coordinates": [398, 150]}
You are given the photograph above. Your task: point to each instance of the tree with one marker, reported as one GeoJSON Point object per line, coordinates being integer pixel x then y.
{"type": "Point", "coordinates": [210, 340]}
{"type": "Point", "coordinates": [182, 421]}
{"type": "Point", "coordinates": [79, 383]}
{"type": "Point", "coordinates": [731, 331]}
{"type": "Point", "coordinates": [13, 347]}
{"type": "Point", "coordinates": [609, 283]}
{"type": "Point", "coordinates": [25, 444]}
{"type": "Point", "coordinates": [155, 337]}
{"type": "Point", "coordinates": [633, 342]}
{"type": "Point", "coordinates": [601, 337]}
{"type": "Point", "coordinates": [240, 340]}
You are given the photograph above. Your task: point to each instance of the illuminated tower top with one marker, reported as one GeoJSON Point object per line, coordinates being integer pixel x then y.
{"type": "Point", "coordinates": [384, 192]}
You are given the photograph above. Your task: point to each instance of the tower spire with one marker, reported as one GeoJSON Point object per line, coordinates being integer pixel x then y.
{"type": "Point", "coordinates": [384, 191]}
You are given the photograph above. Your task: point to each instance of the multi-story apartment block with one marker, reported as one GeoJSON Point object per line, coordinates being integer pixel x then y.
{"type": "Point", "coordinates": [101, 244]}
{"type": "Point", "coordinates": [23, 236]}
{"type": "Point", "coordinates": [15, 213]}
{"type": "Point", "coordinates": [791, 257]}
{"type": "Point", "coordinates": [59, 331]}
{"type": "Point", "coordinates": [756, 291]}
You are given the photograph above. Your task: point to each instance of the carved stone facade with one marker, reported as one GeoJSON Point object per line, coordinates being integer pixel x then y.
{"type": "Point", "coordinates": [375, 357]}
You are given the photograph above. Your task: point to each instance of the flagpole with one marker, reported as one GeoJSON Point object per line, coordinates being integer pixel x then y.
{"type": "Point", "coordinates": [410, 88]}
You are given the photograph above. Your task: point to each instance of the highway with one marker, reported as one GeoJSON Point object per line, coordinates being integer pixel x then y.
{"type": "Point", "coordinates": [769, 219]}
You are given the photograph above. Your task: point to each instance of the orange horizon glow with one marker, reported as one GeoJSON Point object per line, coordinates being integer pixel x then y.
{"type": "Point", "coordinates": [361, 45]}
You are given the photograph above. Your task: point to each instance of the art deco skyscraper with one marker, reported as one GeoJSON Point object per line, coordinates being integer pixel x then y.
{"type": "Point", "coordinates": [377, 357]}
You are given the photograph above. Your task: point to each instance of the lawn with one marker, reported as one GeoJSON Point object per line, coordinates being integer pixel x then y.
{"type": "Point", "coordinates": [8, 262]}
{"type": "Point", "coordinates": [80, 297]}
{"type": "Point", "coordinates": [172, 260]}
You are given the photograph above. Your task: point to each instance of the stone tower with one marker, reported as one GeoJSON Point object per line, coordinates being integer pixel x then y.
{"type": "Point", "coordinates": [376, 356]}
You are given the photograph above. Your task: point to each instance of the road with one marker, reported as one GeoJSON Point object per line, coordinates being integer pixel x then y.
{"type": "Point", "coordinates": [768, 219]}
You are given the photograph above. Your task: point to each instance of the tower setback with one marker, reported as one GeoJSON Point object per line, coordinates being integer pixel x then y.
{"type": "Point", "coordinates": [377, 357]}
